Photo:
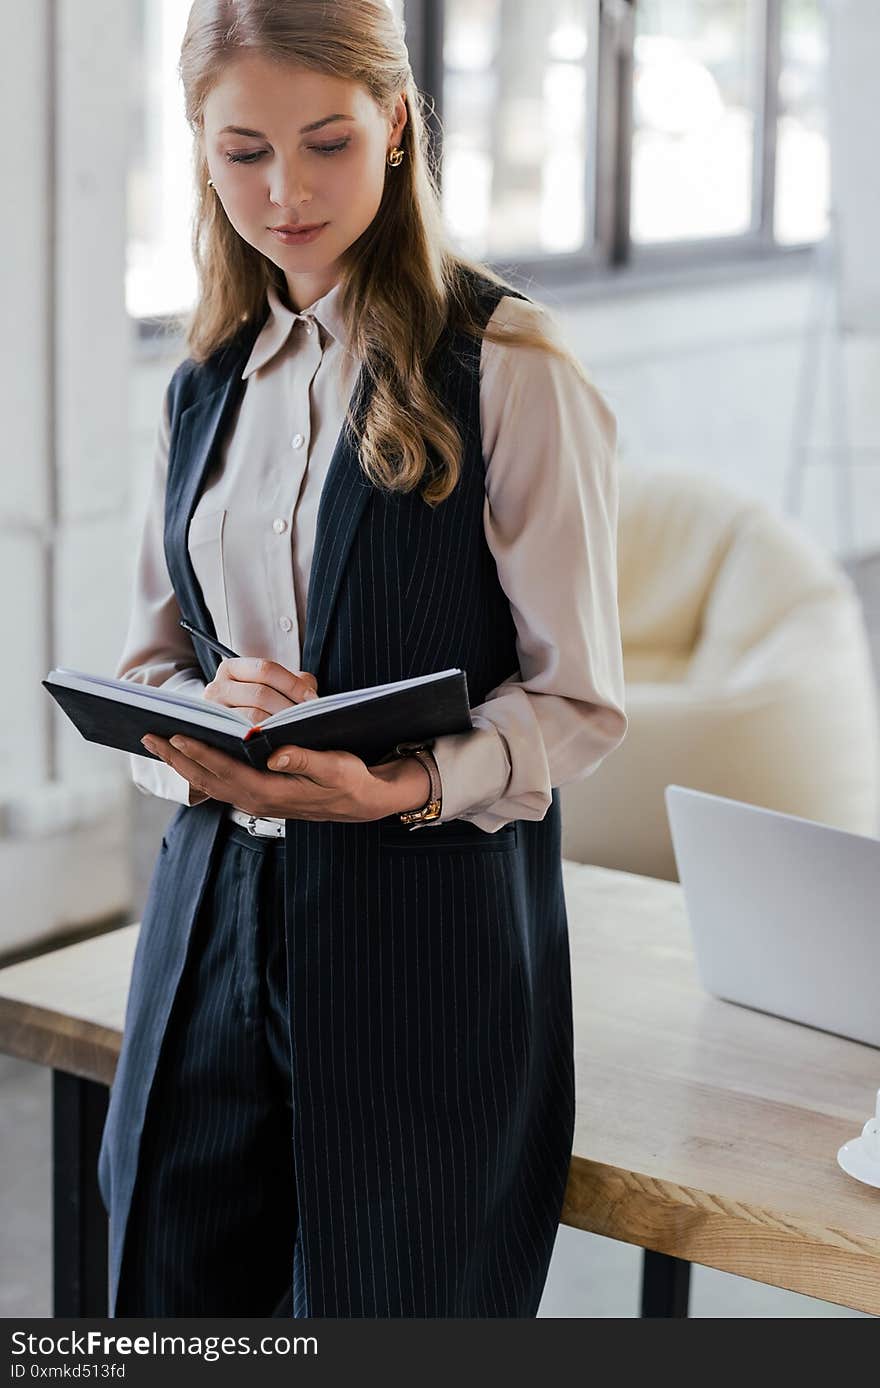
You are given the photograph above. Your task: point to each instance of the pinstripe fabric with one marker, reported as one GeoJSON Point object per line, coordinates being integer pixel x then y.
{"type": "Point", "coordinates": [429, 986]}
{"type": "Point", "coordinates": [221, 1107]}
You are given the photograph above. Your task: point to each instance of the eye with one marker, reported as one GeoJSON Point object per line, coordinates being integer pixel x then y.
{"type": "Point", "coordinates": [258, 154]}
{"type": "Point", "coordinates": [330, 149]}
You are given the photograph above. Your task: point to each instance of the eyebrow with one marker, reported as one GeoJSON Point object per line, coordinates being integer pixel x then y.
{"type": "Point", "coordinates": [258, 134]}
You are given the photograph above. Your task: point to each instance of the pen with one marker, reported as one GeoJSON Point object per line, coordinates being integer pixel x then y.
{"type": "Point", "coordinates": [210, 641]}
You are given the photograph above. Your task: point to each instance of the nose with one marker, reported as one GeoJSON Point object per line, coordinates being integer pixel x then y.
{"type": "Point", "coordinates": [285, 189]}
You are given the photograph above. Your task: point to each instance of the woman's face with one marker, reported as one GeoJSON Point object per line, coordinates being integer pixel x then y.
{"type": "Point", "coordinates": [283, 174]}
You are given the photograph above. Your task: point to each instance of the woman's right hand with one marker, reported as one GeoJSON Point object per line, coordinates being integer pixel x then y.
{"type": "Point", "coordinates": [258, 688]}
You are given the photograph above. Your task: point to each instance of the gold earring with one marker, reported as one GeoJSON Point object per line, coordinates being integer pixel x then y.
{"type": "Point", "coordinates": [396, 156]}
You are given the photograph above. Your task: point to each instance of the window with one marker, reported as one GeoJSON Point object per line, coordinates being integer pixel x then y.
{"type": "Point", "coordinates": [160, 275]}
{"type": "Point", "coordinates": [803, 166]}
{"type": "Point", "coordinates": [518, 104]}
{"type": "Point", "coordinates": [570, 135]}
{"type": "Point", "coordinates": [696, 111]}
{"type": "Point", "coordinates": [729, 121]}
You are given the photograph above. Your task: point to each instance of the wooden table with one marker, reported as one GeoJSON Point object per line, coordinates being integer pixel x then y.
{"type": "Point", "coordinates": [705, 1132]}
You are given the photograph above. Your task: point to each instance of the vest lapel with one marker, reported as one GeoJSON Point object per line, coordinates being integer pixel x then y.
{"type": "Point", "coordinates": [199, 433]}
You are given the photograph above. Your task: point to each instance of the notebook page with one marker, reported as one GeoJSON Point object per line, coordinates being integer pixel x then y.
{"type": "Point", "coordinates": [347, 698]}
{"type": "Point", "coordinates": [201, 711]}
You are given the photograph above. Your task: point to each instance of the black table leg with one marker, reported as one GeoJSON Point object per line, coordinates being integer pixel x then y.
{"type": "Point", "coordinates": [665, 1285]}
{"type": "Point", "coordinates": [80, 1226]}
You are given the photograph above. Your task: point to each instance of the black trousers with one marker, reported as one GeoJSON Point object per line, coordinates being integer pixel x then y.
{"type": "Point", "coordinates": [213, 1220]}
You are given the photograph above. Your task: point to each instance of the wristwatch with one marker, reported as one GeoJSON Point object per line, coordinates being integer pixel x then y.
{"type": "Point", "coordinates": [434, 806]}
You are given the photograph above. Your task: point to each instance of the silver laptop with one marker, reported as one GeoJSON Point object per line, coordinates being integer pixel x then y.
{"type": "Point", "coordinates": [784, 912]}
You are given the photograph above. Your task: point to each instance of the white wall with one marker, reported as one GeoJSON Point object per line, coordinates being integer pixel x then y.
{"type": "Point", "coordinates": [63, 803]}
{"type": "Point", "coordinates": [855, 123]}
{"type": "Point", "coordinates": [707, 379]}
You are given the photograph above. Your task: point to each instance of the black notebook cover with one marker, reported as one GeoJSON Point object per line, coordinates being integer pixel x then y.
{"type": "Point", "coordinates": [369, 729]}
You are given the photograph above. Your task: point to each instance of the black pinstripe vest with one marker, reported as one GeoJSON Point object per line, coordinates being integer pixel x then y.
{"type": "Point", "coordinates": [429, 976]}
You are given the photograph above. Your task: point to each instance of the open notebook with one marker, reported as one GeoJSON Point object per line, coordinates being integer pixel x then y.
{"type": "Point", "coordinates": [367, 722]}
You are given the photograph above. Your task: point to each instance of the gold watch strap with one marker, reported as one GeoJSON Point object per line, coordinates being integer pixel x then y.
{"type": "Point", "coordinates": [432, 809]}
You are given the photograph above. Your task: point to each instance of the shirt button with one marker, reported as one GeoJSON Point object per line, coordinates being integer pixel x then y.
{"type": "Point", "coordinates": [285, 623]}
{"type": "Point", "coordinates": [298, 440]}
{"type": "Point", "coordinates": [279, 525]}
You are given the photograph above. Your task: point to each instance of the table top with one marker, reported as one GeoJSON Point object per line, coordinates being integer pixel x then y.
{"type": "Point", "coordinates": [703, 1129]}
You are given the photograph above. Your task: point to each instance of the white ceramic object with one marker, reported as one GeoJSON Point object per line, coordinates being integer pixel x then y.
{"type": "Point", "coordinates": [860, 1157]}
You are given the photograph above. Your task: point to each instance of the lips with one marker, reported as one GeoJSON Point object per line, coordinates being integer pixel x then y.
{"type": "Point", "coordinates": [312, 226]}
{"type": "Point", "coordinates": [302, 236]}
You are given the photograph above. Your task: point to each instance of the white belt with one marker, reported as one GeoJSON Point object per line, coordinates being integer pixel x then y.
{"type": "Point", "coordinates": [260, 827]}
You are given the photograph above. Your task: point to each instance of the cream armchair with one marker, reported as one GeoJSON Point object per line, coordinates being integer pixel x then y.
{"type": "Point", "coordinates": [748, 674]}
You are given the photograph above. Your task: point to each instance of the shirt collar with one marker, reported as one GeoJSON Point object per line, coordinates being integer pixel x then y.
{"type": "Point", "coordinates": [281, 321]}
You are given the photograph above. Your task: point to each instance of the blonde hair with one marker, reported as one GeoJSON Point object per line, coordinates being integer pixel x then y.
{"type": "Point", "coordinates": [396, 306]}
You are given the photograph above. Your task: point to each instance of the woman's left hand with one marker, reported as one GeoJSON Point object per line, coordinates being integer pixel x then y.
{"type": "Point", "coordinates": [309, 785]}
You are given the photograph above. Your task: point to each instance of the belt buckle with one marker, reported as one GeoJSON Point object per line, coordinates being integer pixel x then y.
{"type": "Point", "coordinates": [253, 820]}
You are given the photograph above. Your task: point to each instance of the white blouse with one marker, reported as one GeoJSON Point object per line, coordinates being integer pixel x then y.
{"type": "Point", "coordinates": [550, 520]}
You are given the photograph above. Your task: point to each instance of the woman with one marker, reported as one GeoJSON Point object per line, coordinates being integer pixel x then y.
{"type": "Point", "coordinates": [346, 1080]}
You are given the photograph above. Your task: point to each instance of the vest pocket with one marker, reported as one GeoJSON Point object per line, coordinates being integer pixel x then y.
{"type": "Point", "coordinates": [205, 544]}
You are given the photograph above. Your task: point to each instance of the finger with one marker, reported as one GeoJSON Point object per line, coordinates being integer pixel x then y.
{"type": "Point", "coordinates": [260, 697]}
{"type": "Point", "coordinates": [256, 715]}
{"type": "Point", "coordinates": [295, 687]}
{"type": "Point", "coordinates": [222, 777]}
{"type": "Point", "coordinates": [197, 776]}
{"type": "Point", "coordinates": [181, 749]}
{"type": "Point", "coordinates": [321, 767]}
{"type": "Point", "coordinates": [209, 770]}
{"type": "Point", "coordinates": [218, 763]}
